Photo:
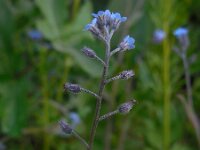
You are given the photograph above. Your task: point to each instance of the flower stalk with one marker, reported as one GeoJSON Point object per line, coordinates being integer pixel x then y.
{"type": "Point", "coordinates": [103, 26]}
{"type": "Point", "coordinates": [182, 36]}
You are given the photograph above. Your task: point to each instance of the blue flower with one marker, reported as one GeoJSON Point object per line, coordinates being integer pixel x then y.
{"type": "Point", "coordinates": [103, 17]}
{"type": "Point", "coordinates": [127, 43]}
{"type": "Point", "coordinates": [92, 27]}
{"type": "Point", "coordinates": [182, 36]}
{"type": "Point", "coordinates": [35, 34]}
{"type": "Point", "coordinates": [159, 35]}
{"type": "Point", "coordinates": [74, 118]}
{"type": "Point", "coordinates": [116, 20]}
{"type": "Point", "coordinates": [179, 32]}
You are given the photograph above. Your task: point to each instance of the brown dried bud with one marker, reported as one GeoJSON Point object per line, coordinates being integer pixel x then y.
{"type": "Point", "coordinates": [65, 127]}
{"type": "Point", "coordinates": [126, 74]}
{"type": "Point", "coordinates": [88, 52]}
{"type": "Point", "coordinates": [126, 107]}
{"type": "Point", "coordinates": [74, 88]}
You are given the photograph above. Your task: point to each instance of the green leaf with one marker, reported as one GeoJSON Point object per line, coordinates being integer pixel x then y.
{"type": "Point", "coordinates": [66, 37]}
{"type": "Point", "coordinates": [13, 107]}
{"type": "Point", "coordinates": [55, 15]}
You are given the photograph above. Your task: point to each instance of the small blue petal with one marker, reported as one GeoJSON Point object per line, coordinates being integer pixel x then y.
{"type": "Point", "coordinates": [123, 19]}
{"type": "Point", "coordinates": [107, 13]}
{"type": "Point", "coordinates": [90, 25]}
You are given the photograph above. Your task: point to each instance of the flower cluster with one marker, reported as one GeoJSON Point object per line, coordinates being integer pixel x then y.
{"type": "Point", "coordinates": [108, 19]}
{"type": "Point", "coordinates": [104, 24]}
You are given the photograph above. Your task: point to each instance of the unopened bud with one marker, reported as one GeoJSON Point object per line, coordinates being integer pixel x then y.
{"type": "Point", "coordinates": [126, 74]}
{"type": "Point", "coordinates": [74, 88]}
{"type": "Point", "coordinates": [126, 107]}
{"type": "Point", "coordinates": [89, 52]}
{"type": "Point", "coordinates": [65, 127]}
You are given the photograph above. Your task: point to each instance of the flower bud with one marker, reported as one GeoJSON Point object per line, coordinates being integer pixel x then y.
{"type": "Point", "coordinates": [88, 52]}
{"type": "Point", "coordinates": [65, 127]}
{"type": "Point", "coordinates": [74, 88]}
{"type": "Point", "coordinates": [126, 107]}
{"type": "Point", "coordinates": [126, 74]}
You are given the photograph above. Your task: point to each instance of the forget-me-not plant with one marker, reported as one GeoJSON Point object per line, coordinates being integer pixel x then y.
{"type": "Point", "coordinates": [102, 26]}
{"type": "Point", "coordinates": [181, 34]}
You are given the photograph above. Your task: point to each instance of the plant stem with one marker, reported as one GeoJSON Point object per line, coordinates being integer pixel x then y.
{"type": "Point", "coordinates": [189, 104]}
{"type": "Point", "coordinates": [108, 115]}
{"type": "Point", "coordinates": [192, 117]}
{"type": "Point", "coordinates": [90, 92]}
{"type": "Point", "coordinates": [188, 79]}
{"type": "Point", "coordinates": [166, 95]}
{"type": "Point", "coordinates": [99, 100]}
{"type": "Point", "coordinates": [45, 96]}
{"type": "Point", "coordinates": [167, 5]}
{"type": "Point", "coordinates": [80, 138]}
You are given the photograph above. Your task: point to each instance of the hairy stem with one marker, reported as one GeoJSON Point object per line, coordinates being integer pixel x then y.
{"type": "Point", "coordinates": [99, 100]}
{"type": "Point", "coordinates": [80, 138]}
{"type": "Point", "coordinates": [90, 92]}
{"type": "Point", "coordinates": [189, 104]}
{"type": "Point", "coordinates": [188, 79]}
{"type": "Point", "coordinates": [192, 117]}
{"type": "Point", "coordinates": [108, 115]}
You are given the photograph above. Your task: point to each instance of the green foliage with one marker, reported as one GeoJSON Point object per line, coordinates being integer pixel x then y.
{"type": "Point", "coordinates": [65, 36]}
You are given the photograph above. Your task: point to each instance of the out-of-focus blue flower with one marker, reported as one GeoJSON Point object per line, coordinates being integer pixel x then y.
{"type": "Point", "coordinates": [127, 43]}
{"type": "Point", "coordinates": [35, 34]}
{"type": "Point", "coordinates": [179, 32]}
{"type": "Point", "coordinates": [159, 36]}
{"type": "Point", "coordinates": [182, 35]}
{"type": "Point", "coordinates": [75, 119]}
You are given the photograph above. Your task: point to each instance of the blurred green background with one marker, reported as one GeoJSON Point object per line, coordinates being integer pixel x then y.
{"type": "Point", "coordinates": [34, 66]}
